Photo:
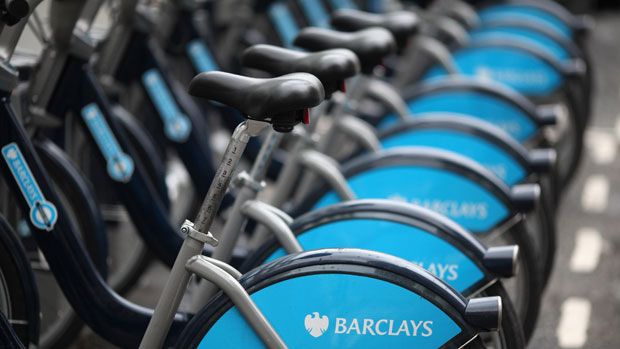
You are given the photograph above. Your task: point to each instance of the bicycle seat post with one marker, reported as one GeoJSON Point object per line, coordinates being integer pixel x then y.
{"type": "Point", "coordinates": [239, 140]}
{"type": "Point", "coordinates": [197, 235]}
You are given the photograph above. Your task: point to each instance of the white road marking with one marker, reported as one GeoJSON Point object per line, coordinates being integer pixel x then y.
{"type": "Point", "coordinates": [595, 194]}
{"type": "Point", "coordinates": [602, 145]}
{"type": "Point", "coordinates": [572, 331]}
{"type": "Point", "coordinates": [587, 252]}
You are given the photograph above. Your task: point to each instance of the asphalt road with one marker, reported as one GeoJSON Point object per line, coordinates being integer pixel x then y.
{"type": "Point", "coordinates": [581, 306]}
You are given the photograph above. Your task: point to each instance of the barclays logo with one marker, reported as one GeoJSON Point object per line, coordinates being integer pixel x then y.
{"type": "Point", "coordinates": [316, 325]}
{"type": "Point", "coordinates": [478, 210]}
{"type": "Point", "coordinates": [515, 76]}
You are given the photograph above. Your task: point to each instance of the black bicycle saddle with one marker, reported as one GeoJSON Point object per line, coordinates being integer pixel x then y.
{"type": "Point", "coordinates": [370, 45]}
{"type": "Point", "coordinates": [402, 24]}
{"type": "Point", "coordinates": [332, 67]}
{"type": "Point", "coordinates": [282, 101]}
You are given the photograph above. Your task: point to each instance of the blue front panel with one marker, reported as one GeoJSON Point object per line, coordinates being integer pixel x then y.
{"type": "Point", "coordinates": [529, 14]}
{"type": "Point", "coordinates": [43, 214]}
{"type": "Point", "coordinates": [526, 36]}
{"type": "Point", "coordinates": [515, 68]}
{"type": "Point", "coordinates": [478, 105]}
{"type": "Point", "coordinates": [338, 311]}
{"type": "Point", "coordinates": [284, 23]}
{"type": "Point", "coordinates": [485, 153]}
{"type": "Point", "coordinates": [177, 125]}
{"type": "Point", "coordinates": [119, 165]}
{"type": "Point", "coordinates": [413, 244]}
{"type": "Point", "coordinates": [315, 13]}
{"type": "Point", "coordinates": [201, 57]}
{"type": "Point", "coordinates": [454, 196]}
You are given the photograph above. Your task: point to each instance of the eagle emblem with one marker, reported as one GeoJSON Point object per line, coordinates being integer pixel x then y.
{"type": "Point", "coordinates": [316, 324]}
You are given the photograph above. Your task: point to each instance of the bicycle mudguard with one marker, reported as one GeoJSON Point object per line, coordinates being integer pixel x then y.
{"type": "Point", "coordinates": [52, 155]}
{"type": "Point", "coordinates": [490, 102]}
{"type": "Point", "coordinates": [416, 234]}
{"type": "Point", "coordinates": [381, 301]}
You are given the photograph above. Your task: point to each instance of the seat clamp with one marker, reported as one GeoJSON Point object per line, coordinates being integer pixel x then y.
{"type": "Point", "coordinates": [188, 228]}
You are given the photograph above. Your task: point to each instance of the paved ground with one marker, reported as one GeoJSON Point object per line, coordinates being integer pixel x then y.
{"type": "Point", "coordinates": [581, 308]}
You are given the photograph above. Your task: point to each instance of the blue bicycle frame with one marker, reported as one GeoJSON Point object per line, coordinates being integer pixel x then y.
{"type": "Point", "coordinates": [109, 315]}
